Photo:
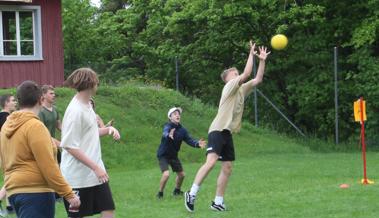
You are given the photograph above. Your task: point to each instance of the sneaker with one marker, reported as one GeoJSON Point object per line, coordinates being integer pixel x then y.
{"type": "Point", "coordinates": [160, 195]}
{"type": "Point", "coordinates": [177, 192]}
{"type": "Point", "coordinates": [218, 207]}
{"type": "Point", "coordinates": [189, 201]}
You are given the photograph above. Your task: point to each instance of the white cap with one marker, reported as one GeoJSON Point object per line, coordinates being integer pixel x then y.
{"type": "Point", "coordinates": [172, 111]}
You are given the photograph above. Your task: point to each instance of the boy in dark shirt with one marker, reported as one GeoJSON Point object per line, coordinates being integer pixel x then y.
{"type": "Point", "coordinates": [8, 104]}
{"type": "Point", "coordinates": [173, 135]}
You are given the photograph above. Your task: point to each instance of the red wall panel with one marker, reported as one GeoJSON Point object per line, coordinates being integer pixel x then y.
{"type": "Point", "coordinates": [51, 69]}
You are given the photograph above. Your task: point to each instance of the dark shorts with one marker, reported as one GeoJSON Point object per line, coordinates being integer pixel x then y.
{"type": "Point", "coordinates": [94, 200]}
{"type": "Point", "coordinates": [175, 164]}
{"type": "Point", "coordinates": [59, 156]}
{"type": "Point", "coordinates": [221, 143]}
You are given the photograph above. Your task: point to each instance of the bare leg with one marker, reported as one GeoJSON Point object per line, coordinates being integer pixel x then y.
{"type": "Point", "coordinates": [223, 178]}
{"type": "Point", "coordinates": [204, 170]}
{"type": "Point", "coordinates": [179, 179]}
{"type": "Point", "coordinates": [164, 179]}
{"type": "Point", "coordinates": [202, 173]}
{"type": "Point", "coordinates": [107, 214]}
{"type": "Point", "coordinates": [3, 213]}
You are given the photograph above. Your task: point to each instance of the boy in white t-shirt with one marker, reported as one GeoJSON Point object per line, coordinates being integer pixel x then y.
{"type": "Point", "coordinates": [81, 162]}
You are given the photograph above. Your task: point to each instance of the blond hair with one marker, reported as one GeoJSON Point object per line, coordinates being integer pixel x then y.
{"type": "Point", "coordinates": [226, 72]}
{"type": "Point", "coordinates": [82, 79]}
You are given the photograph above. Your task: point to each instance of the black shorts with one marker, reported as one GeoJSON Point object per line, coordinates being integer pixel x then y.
{"type": "Point", "coordinates": [175, 164]}
{"type": "Point", "coordinates": [221, 143]}
{"type": "Point", "coordinates": [94, 200]}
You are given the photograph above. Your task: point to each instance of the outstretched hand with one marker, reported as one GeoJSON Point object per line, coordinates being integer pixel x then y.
{"type": "Point", "coordinates": [263, 53]}
{"type": "Point", "coordinates": [252, 48]}
{"type": "Point", "coordinates": [202, 143]}
{"type": "Point", "coordinates": [171, 133]}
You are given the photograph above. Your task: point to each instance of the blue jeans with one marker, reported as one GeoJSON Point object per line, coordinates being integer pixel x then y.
{"type": "Point", "coordinates": [33, 205]}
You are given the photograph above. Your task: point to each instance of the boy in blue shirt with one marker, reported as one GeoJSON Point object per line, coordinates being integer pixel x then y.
{"type": "Point", "coordinates": [173, 135]}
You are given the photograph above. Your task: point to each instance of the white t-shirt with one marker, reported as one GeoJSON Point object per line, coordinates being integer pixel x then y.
{"type": "Point", "coordinates": [231, 105]}
{"type": "Point", "coordinates": [80, 131]}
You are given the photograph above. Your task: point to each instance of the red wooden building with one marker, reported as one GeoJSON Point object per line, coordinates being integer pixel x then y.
{"type": "Point", "coordinates": [31, 42]}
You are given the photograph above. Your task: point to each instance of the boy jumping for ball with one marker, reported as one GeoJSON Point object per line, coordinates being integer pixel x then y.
{"type": "Point", "coordinates": [173, 135]}
{"type": "Point", "coordinates": [226, 122]}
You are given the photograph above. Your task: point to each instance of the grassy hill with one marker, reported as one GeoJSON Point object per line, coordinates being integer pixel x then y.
{"type": "Point", "coordinates": [140, 112]}
{"type": "Point", "coordinates": [274, 176]}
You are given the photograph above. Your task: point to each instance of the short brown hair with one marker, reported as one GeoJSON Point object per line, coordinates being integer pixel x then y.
{"type": "Point", "coordinates": [82, 79]}
{"type": "Point", "coordinates": [46, 88]}
{"type": "Point", "coordinates": [4, 99]}
{"type": "Point", "coordinates": [226, 72]}
{"type": "Point", "coordinates": [28, 94]}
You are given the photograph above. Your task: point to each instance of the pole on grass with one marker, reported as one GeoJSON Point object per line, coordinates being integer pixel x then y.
{"type": "Point", "coordinates": [336, 93]}
{"type": "Point", "coordinates": [365, 182]}
{"type": "Point", "coordinates": [177, 73]}
{"type": "Point", "coordinates": [360, 116]}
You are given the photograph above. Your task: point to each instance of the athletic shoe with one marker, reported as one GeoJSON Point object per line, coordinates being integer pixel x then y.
{"type": "Point", "coordinates": [160, 195]}
{"type": "Point", "coordinates": [189, 201]}
{"type": "Point", "coordinates": [177, 192]}
{"type": "Point", "coordinates": [218, 207]}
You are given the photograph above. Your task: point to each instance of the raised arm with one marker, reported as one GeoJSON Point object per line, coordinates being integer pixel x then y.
{"type": "Point", "coordinates": [263, 53]}
{"type": "Point", "coordinates": [249, 64]}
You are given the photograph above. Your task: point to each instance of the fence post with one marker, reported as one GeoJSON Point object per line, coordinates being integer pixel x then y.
{"type": "Point", "coordinates": [177, 73]}
{"type": "Point", "coordinates": [336, 93]}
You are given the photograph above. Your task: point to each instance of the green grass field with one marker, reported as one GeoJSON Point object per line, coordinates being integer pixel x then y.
{"type": "Point", "coordinates": [274, 176]}
{"type": "Point", "coordinates": [264, 185]}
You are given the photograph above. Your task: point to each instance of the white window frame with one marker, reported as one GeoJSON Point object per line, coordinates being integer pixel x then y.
{"type": "Point", "coordinates": [37, 33]}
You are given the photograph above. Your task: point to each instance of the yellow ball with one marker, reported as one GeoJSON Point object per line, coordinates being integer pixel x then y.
{"type": "Point", "coordinates": [279, 42]}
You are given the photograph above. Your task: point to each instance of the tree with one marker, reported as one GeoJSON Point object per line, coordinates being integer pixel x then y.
{"type": "Point", "coordinates": [138, 38]}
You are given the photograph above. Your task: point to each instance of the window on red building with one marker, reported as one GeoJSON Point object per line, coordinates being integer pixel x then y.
{"type": "Point", "coordinates": [20, 33]}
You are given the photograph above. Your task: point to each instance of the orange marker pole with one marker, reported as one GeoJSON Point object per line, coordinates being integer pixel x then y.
{"type": "Point", "coordinates": [365, 182]}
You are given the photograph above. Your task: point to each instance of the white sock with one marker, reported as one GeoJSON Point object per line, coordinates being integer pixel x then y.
{"type": "Point", "coordinates": [194, 189]}
{"type": "Point", "coordinates": [219, 200]}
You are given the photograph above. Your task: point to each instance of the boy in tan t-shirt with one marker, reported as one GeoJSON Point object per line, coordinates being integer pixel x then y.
{"type": "Point", "coordinates": [226, 122]}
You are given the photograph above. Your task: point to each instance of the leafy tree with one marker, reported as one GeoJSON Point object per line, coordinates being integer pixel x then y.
{"type": "Point", "coordinates": [113, 5]}
{"type": "Point", "coordinates": [78, 31]}
{"type": "Point", "coordinates": [137, 38]}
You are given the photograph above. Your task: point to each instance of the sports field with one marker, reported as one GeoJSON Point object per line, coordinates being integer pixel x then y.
{"type": "Point", "coordinates": [274, 176]}
{"type": "Point", "coordinates": [277, 185]}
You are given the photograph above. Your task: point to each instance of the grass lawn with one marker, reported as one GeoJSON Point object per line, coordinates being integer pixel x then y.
{"type": "Point", "coordinates": [274, 176]}
{"type": "Point", "coordinates": [272, 185]}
